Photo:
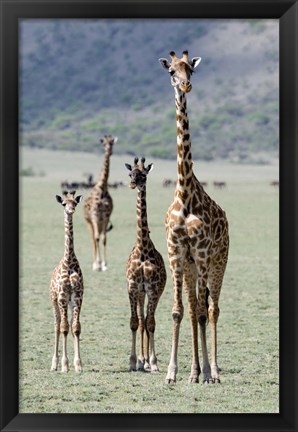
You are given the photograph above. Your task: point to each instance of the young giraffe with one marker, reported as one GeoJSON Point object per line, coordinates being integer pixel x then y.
{"type": "Point", "coordinates": [197, 239]}
{"type": "Point", "coordinates": [146, 274]}
{"type": "Point", "coordinates": [98, 207]}
{"type": "Point", "coordinates": [67, 289]}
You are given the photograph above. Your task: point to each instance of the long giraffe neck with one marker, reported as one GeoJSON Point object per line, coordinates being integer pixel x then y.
{"type": "Point", "coordinates": [184, 156]}
{"type": "Point", "coordinates": [68, 236]}
{"type": "Point", "coordinates": [104, 173]}
{"type": "Point", "coordinates": [142, 222]}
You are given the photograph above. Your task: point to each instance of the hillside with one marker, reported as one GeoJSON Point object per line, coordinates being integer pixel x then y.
{"type": "Point", "coordinates": [80, 79]}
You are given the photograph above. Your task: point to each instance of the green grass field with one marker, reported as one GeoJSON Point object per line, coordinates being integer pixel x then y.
{"type": "Point", "coordinates": [248, 329]}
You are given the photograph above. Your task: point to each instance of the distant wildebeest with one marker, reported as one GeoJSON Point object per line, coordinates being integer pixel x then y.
{"type": "Point", "coordinates": [116, 184]}
{"type": "Point", "coordinates": [274, 183]}
{"type": "Point", "coordinates": [219, 184]}
{"type": "Point", "coordinates": [167, 182]}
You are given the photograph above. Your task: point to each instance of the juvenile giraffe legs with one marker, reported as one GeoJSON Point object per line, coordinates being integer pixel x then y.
{"type": "Point", "coordinates": [76, 331]}
{"type": "Point", "coordinates": [150, 363]}
{"type": "Point", "coordinates": [61, 327]}
{"type": "Point", "coordinates": [57, 335]}
{"type": "Point", "coordinates": [133, 299]}
{"type": "Point", "coordinates": [141, 319]}
{"type": "Point", "coordinates": [64, 328]}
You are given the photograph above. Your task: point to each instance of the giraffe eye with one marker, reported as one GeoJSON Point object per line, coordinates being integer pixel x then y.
{"type": "Point", "coordinates": [171, 72]}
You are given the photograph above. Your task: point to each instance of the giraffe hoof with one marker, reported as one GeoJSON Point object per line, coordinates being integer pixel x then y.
{"type": "Point", "coordinates": [193, 380]}
{"type": "Point", "coordinates": [54, 366]}
{"type": "Point", "coordinates": [171, 375]}
{"type": "Point", "coordinates": [208, 381]}
{"type": "Point", "coordinates": [216, 380]}
{"type": "Point", "coordinates": [141, 365]}
{"type": "Point", "coordinates": [171, 378]}
{"type": "Point", "coordinates": [132, 369]}
{"type": "Point", "coordinates": [96, 267]}
{"type": "Point", "coordinates": [170, 381]}
{"type": "Point", "coordinates": [78, 368]}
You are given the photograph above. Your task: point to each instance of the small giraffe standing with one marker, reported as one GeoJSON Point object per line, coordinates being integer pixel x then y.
{"type": "Point", "coordinates": [146, 274]}
{"type": "Point", "coordinates": [197, 239]}
{"type": "Point", "coordinates": [98, 207]}
{"type": "Point", "coordinates": [67, 289]}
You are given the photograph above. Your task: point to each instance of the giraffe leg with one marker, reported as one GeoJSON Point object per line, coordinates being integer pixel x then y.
{"type": "Point", "coordinates": [96, 253]}
{"type": "Point", "coordinates": [64, 329]}
{"type": "Point", "coordinates": [189, 284]}
{"type": "Point", "coordinates": [202, 318]}
{"type": "Point", "coordinates": [104, 265]}
{"type": "Point", "coordinates": [133, 299]}
{"type": "Point", "coordinates": [94, 243]}
{"type": "Point", "coordinates": [150, 329]}
{"type": "Point", "coordinates": [76, 331]}
{"type": "Point", "coordinates": [141, 319]}
{"type": "Point", "coordinates": [213, 314]}
{"type": "Point", "coordinates": [57, 322]}
{"type": "Point", "coordinates": [215, 284]}
{"type": "Point", "coordinates": [177, 315]}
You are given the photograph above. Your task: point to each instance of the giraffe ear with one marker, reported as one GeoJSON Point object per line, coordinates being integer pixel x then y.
{"type": "Point", "coordinates": [115, 139]}
{"type": "Point", "coordinates": [195, 62]}
{"type": "Point", "coordinates": [59, 199]}
{"type": "Point", "coordinates": [149, 168]}
{"type": "Point", "coordinates": [128, 167]}
{"type": "Point", "coordinates": [78, 199]}
{"type": "Point", "coordinates": [164, 62]}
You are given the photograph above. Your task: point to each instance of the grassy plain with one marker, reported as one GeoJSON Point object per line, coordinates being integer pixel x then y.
{"type": "Point", "coordinates": [248, 331]}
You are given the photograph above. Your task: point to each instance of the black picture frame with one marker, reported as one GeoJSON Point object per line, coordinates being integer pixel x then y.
{"type": "Point", "coordinates": [11, 11]}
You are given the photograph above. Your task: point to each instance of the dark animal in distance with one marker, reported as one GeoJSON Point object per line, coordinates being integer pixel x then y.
{"type": "Point", "coordinates": [219, 184]}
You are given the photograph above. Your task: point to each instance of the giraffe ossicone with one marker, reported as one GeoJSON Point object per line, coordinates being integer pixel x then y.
{"type": "Point", "coordinates": [146, 277]}
{"type": "Point", "coordinates": [197, 239]}
{"type": "Point", "coordinates": [67, 289]}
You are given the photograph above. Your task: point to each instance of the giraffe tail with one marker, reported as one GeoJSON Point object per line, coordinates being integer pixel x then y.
{"type": "Point", "coordinates": [109, 227]}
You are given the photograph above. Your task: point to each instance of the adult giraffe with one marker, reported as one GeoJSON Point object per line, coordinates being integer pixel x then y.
{"type": "Point", "coordinates": [197, 239]}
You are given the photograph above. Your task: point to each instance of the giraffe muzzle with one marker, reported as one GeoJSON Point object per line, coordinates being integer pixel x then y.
{"type": "Point", "coordinates": [132, 185]}
{"type": "Point", "coordinates": [185, 86]}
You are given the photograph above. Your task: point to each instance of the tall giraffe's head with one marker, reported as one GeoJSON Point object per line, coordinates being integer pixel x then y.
{"type": "Point", "coordinates": [180, 70]}
{"type": "Point", "coordinates": [108, 141]}
{"type": "Point", "coordinates": [69, 201]}
{"type": "Point", "coordinates": [138, 174]}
